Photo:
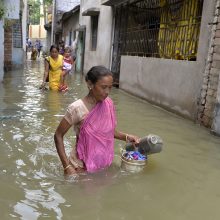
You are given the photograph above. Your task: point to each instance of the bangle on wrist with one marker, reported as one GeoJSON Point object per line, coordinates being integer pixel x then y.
{"type": "Point", "coordinates": [126, 138]}
{"type": "Point", "coordinates": [67, 167]}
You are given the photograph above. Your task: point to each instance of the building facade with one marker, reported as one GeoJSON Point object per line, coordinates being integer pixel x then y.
{"type": "Point", "coordinates": [97, 21]}
{"type": "Point", "coordinates": [13, 34]}
{"type": "Point", "coordinates": [159, 55]}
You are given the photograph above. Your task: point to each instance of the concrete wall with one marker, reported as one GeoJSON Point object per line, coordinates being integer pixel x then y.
{"type": "Point", "coordinates": [24, 25]}
{"type": "Point", "coordinates": [101, 56]}
{"type": "Point", "coordinates": [209, 108]}
{"type": "Point", "coordinates": [66, 5]}
{"type": "Point", "coordinates": [48, 41]}
{"type": "Point", "coordinates": [216, 116]}
{"type": "Point", "coordinates": [13, 8]}
{"type": "Point", "coordinates": [175, 85]}
{"type": "Point", "coordinates": [172, 84]}
{"type": "Point", "coordinates": [10, 55]}
{"type": "Point", "coordinates": [70, 24]}
{"type": "Point", "coordinates": [37, 31]}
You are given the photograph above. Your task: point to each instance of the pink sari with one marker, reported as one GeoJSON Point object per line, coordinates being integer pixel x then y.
{"type": "Point", "coordinates": [95, 144]}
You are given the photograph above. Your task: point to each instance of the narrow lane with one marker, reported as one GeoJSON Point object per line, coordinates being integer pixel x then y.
{"type": "Point", "coordinates": [181, 182]}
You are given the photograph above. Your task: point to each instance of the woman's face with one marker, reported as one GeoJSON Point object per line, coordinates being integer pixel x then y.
{"type": "Point", "coordinates": [102, 88]}
{"type": "Point", "coordinates": [54, 53]}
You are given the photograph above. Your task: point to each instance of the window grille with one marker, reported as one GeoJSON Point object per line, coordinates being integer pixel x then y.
{"type": "Point", "coordinates": [160, 28]}
{"type": "Point", "coordinates": [17, 34]}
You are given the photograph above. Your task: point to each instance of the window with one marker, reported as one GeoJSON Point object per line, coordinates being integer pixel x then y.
{"type": "Point", "coordinates": [164, 29]}
{"type": "Point", "coordinates": [70, 38]}
{"type": "Point", "coordinates": [74, 35]}
{"type": "Point", "coordinates": [94, 31]}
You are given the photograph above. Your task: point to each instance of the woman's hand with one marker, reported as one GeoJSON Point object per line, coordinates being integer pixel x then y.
{"type": "Point", "coordinates": [70, 171]}
{"type": "Point", "coordinates": [126, 137]}
{"type": "Point", "coordinates": [132, 138]}
{"type": "Point", "coordinates": [43, 85]}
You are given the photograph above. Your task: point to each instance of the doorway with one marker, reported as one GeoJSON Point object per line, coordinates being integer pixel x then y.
{"type": "Point", "coordinates": [80, 50]}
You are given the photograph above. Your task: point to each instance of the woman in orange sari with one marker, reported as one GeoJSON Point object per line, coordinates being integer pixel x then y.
{"type": "Point", "coordinates": [53, 69]}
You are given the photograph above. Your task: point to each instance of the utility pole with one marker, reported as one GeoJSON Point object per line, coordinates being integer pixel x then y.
{"type": "Point", "coordinates": [53, 19]}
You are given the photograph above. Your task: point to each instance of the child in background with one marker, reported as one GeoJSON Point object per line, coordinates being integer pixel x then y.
{"type": "Point", "coordinates": [34, 53]}
{"type": "Point", "coordinates": [67, 66]}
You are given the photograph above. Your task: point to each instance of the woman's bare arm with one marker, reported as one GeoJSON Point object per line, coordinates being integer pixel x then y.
{"type": "Point", "coordinates": [46, 72]}
{"type": "Point", "coordinates": [126, 137]}
{"type": "Point", "coordinates": [61, 130]}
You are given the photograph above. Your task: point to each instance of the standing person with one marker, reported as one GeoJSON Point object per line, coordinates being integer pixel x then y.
{"type": "Point", "coordinates": [29, 44]}
{"type": "Point", "coordinates": [94, 121]}
{"type": "Point", "coordinates": [53, 69]}
{"type": "Point", "coordinates": [67, 66]}
{"type": "Point", "coordinates": [34, 53]}
{"type": "Point", "coordinates": [61, 47]}
{"type": "Point", "coordinates": [38, 46]}
{"type": "Point", "coordinates": [26, 46]}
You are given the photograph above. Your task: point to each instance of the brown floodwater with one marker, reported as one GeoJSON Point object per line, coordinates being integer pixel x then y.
{"type": "Point", "coordinates": [179, 183]}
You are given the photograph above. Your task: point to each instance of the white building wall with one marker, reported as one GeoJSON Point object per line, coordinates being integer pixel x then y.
{"type": "Point", "coordinates": [24, 24]}
{"type": "Point", "coordinates": [13, 7]}
{"type": "Point", "coordinates": [70, 25]}
{"type": "Point", "coordinates": [102, 54]}
{"type": "Point", "coordinates": [66, 5]}
{"type": "Point", "coordinates": [1, 50]}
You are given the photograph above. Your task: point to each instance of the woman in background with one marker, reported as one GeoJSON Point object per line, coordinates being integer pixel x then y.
{"type": "Point", "coordinates": [53, 69]}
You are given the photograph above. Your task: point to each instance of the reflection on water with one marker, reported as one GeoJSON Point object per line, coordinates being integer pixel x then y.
{"type": "Point", "coordinates": [32, 183]}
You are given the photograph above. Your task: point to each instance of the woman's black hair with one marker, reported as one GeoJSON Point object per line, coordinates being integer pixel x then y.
{"type": "Point", "coordinates": [96, 73]}
{"type": "Point", "coordinates": [54, 46]}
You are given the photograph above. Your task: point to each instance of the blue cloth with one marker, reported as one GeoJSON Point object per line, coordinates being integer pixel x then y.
{"type": "Point", "coordinates": [135, 155]}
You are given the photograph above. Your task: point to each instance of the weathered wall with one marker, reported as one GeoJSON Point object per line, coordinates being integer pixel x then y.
{"type": "Point", "coordinates": [1, 50]}
{"type": "Point", "coordinates": [24, 25]}
{"type": "Point", "coordinates": [66, 5]}
{"type": "Point", "coordinates": [216, 115]}
{"type": "Point", "coordinates": [70, 24]}
{"type": "Point", "coordinates": [209, 109]}
{"type": "Point", "coordinates": [101, 56]}
{"type": "Point", "coordinates": [175, 85]}
{"type": "Point", "coordinates": [37, 31]}
{"type": "Point", "coordinates": [13, 8]}
{"type": "Point", "coordinates": [172, 84]}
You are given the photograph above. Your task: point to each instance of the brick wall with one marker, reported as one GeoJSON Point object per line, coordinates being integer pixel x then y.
{"type": "Point", "coordinates": [211, 74]}
{"type": "Point", "coordinates": [8, 48]}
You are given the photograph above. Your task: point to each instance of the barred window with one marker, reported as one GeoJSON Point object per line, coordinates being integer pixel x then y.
{"type": "Point", "coordinates": [17, 34]}
{"type": "Point", "coordinates": [160, 28]}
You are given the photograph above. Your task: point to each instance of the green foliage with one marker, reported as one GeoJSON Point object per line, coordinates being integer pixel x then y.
{"type": "Point", "coordinates": [2, 10]}
{"type": "Point", "coordinates": [48, 2]}
{"type": "Point", "coordinates": [34, 14]}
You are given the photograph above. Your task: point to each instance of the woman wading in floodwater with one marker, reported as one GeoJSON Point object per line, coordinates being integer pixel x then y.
{"type": "Point", "coordinates": [53, 69]}
{"type": "Point", "coordinates": [94, 121]}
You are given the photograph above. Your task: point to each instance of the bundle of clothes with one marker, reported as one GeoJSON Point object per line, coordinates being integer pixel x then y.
{"type": "Point", "coordinates": [134, 155]}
